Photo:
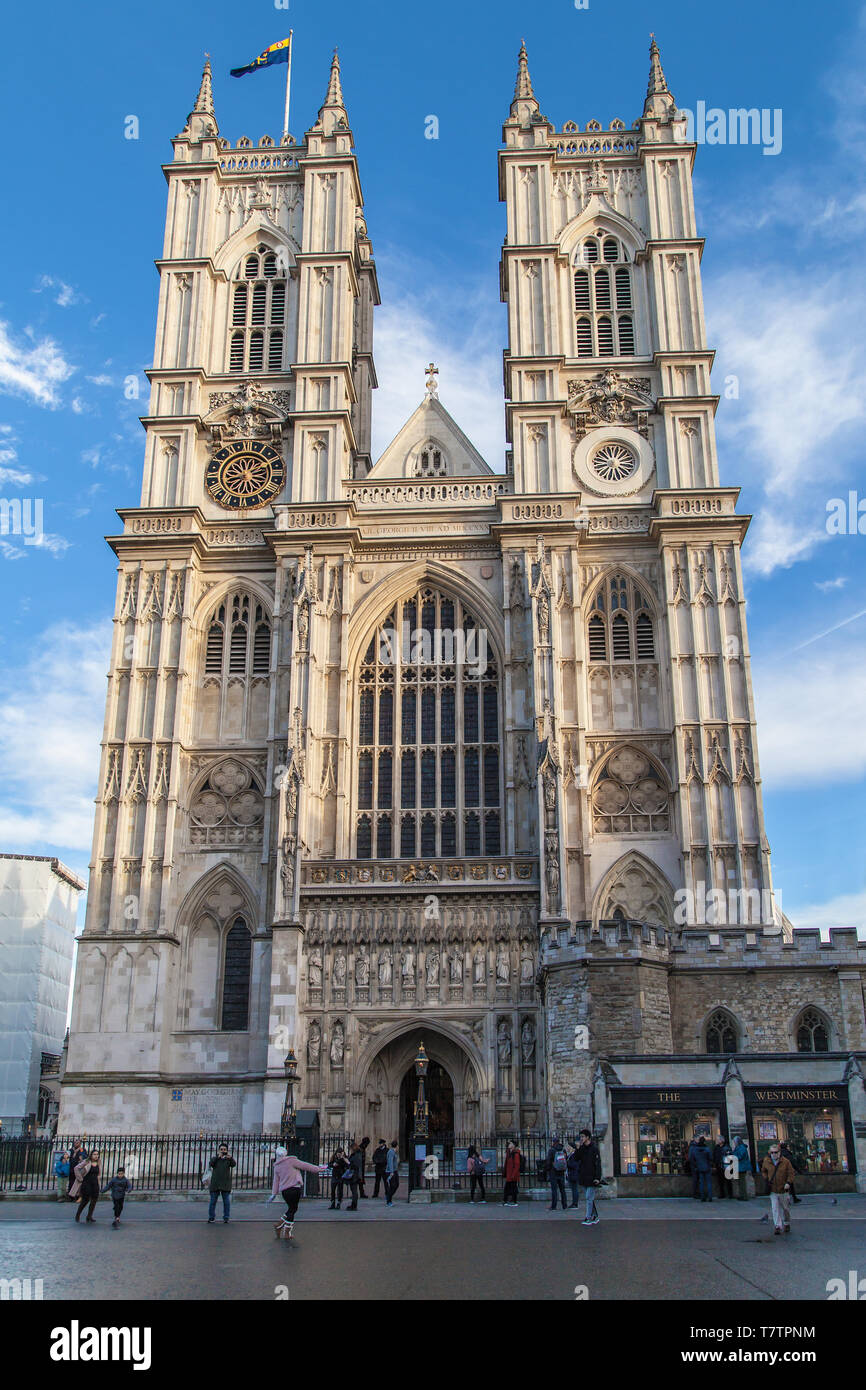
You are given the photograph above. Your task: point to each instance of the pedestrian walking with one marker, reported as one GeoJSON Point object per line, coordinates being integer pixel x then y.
{"type": "Point", "coordinates": [76, 1155]}
{"type": "Point", "coordinates": [380, 1167]}
{"type": "Point", "coordinates": [353, 1174]}
{"type": "Point", "coordinates": [786, 1153]}
{"type": "Point", "coordinates": [779, 1173]}
{"type": "Point", "coordinates": [288, 1183]}
{"type": "Point", "coordinates": [589, 1172]}
{"type": "Point", "coordinates": [364, 1146]}
{"type": "Point", "coordinates": [86, 1186]}
{"type": "Point", "coordinates": [572, 1173]}
{"type": "Point", "coordinates": [61, 1175]}
{"type": "Point", "coordinates": [722, 1151]}
{"type": "Point", "coordinates": [220, 1183]}
{"type": "Point", "coordinates": [702, 1164]}
{"type": "Point", "coordinates": [339, 1164]}
{"type": "Point", "coordinates": [118, 1187]}
{"type": "Point", "coordinates": [511, 1173]}
{"type": "Point", "coordinates": [556, 1168]}
{"type": "Point", "coordinates": [392, 1173]}
{"type": "Point", "coordinates": [476, 1166]}
{"type": "Point", "coordinates": [744, 1166]}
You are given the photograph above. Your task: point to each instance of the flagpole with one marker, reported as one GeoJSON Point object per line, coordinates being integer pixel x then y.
{"type": "Point", "coordinates": [288, 87]}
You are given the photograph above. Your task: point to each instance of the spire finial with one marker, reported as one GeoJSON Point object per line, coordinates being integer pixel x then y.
{"type": "Point", "coordinates": [431, 383]}
{"type": "Point", "coordinates": [659, 104]}
{"type": "Point", "coordinates": [523, 104]}
{"type": "Point", "coordinates": [334, 94]}
{"type": "Point", "coordinates": [332, 112]}
{"type": "Point", "coordinates": [204, 100]}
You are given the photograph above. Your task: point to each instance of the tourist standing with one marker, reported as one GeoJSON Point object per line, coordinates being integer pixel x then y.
{"type": "Point", "coordinates": [572, 1173]}
{"type": "Point", "coordinates": [118, 1187]}
{"type": "Point", "coordinates": [86, 1185]}
{"type": "Point", "coordinates": [220, 1184]}
{"type": "Point", "coordinates": [392, 1174]}
{"type": "Point", "coordinates": [354, 1174]}
{"type": "Point", "coordinates": [339, 1164]}
{"type": "Point", "coordinates": [702, 1165]}
{"type": "Point", "coordinates": [780, 1175]}
{"type": "Point", "coordinates": [721, 1151]}
{"type": "Point", "coordinates": [365, 1144]}
{"type": "Point", "coordinates": [744, 1166]}
{"type": "Point", "coordinates": [556, 1168]}
{"type": "Point", "coordinates": [380, 1167]}
{"type": "Point", "coordinates": [589, 1164]}
{"type": "Point", "coordinates": [511, 1174]}
{"type": "Point", "coordinates": [76, 1156]}
{"type": "Point", "coordinates": [61, 1175]}
{"type": "Point", "coordinates": [476, 1166]}
{"type": "Point", "coordinates": [288, 1183]}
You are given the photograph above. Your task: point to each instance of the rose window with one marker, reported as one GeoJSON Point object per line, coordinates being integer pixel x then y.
{"type": "Point", "coordinates": [613, 463]}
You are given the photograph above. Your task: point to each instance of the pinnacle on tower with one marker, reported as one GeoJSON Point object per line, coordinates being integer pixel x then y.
{"type": "Point", "coordinates": [524, 103]}
{"type": "Point", "coordinates": [201, 120]}
{"type": "Point", "coordinates": [332, 112]}
{"type": "Point", "coordinates": [659, 104]}
{"type": "Point", "coordinates": [204, 100]}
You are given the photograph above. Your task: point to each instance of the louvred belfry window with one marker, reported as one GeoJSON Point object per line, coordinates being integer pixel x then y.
{"type": "Point", "coordinates": [602, 288]}
{"type": "Point", "coordinates": [620, 626]}
{"type": "Point", "coordinates": [428, 732]}
{"type": "Point", "coordinates": [238, 641]}
{"type": "Point", "coordinates": [258, 314]}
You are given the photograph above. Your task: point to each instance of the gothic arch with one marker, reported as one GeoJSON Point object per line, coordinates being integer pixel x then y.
{"type": "Point", "coordinates": [809, 1019]}
{"type": "Point", "coordinates": [721, 1012]}
{"type": "Point", "coordinates": [408, 1027]}
{"type": "Point", "coordinates": [630, 793]}
{"type": "Point", "coordinates": [209, 602]}
{"type": "Point", "coordinates": [636, 887]}
{"type": "Point", "coordinates": [257, 230]}
{"type": "Point", "coordinates": [595, 217]}
{"type": "Point", "coordinates": [196, 900]}
{"type": "Point", "coordinates": [629, 572]}
{"type": "Point", "coordinates": [374, 608]}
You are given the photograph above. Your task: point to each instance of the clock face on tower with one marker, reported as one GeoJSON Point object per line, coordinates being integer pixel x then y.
{"type": "Point", "coordinates": [245, 474]}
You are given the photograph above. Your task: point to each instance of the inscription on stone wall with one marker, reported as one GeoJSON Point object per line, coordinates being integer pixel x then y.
{"type": "Point", "coordinates": [206, 1107]}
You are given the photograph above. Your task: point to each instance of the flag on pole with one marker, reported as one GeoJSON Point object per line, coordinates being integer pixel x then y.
{"type": "Point", "coordinates": [273, 54]}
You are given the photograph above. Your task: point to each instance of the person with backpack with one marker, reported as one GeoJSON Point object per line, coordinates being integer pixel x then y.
{"type": "Point", "coordinates": [557, 1166]}
{"type": "Point", "coordinates": [392, 1173]}
{"type": "Point", "coordinates": [61, 1175]}
{"type": "Point", "coordinates": [589, 1171]}
{"type": "Point", "coordinates": [380, 1167]}
{"type": "Point", "coordinates": [744, 1166]}
{"type": "Point", "coordinates": [476, 1166]}
{"type": "Point", "coordinates": [511, 1173]}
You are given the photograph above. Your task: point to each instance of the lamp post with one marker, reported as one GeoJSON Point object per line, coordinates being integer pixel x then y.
{"type": "Point", "coordinates": [287, 1128]}
{"type": "Point", "coordinates": [422, 1110]}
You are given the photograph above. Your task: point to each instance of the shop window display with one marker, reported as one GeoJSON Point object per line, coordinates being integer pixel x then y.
{"type": "Point", "coordinates": [816, 1138]}
{"type": "Point", "coordinates": [657, 1141]}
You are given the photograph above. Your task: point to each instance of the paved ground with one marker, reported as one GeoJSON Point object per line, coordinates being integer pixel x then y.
{"type": "Point", "coordinates": [654, 1248]}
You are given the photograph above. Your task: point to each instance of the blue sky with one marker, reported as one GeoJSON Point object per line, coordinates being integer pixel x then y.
{"type": "Point", "coordinates": [785, 298]}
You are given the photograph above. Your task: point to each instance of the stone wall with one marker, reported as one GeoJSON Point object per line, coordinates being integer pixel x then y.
{"type": "Point", "coordinates": [765, 1004]}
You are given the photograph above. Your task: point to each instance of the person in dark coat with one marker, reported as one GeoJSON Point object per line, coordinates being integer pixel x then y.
{"type": "Point", "coordinates": [354, 1174]}
{"type": "Point", "coordinates": [76, 1156]}
{"type": "Point", "coordinates": [339, 1164]}
{"type": "Point", "coordinates": [511, 1174]}
{"type": "Point", "coordinates": [589, 1174]}
{"type": "Point", "coordinates": [220, 1184]}
{"type": "Point", "coordinates": [556, 1168]}
{"type": "Point", "coordinates": [702, 1163]}
{"type": "Point", "coordinates": [364, 1146]}
{"type": "Point", "coordinates": [476, 1166]}
{"type": "Point", "coordinates": [118, 1187]}
{"type": "Point", "coordinates": [744, 1166]}
{"type": "Point", "coordinates": [380, 1165]}
{"type": "Point", "coordinates": [721, 1151]}
{"type": "Point", "coordinates": [572, 1173]}
{"type": "Point", "coordinates": [87, 1185]}
{"type": "Point", "coordinates": [786, 1153]}
{"type": "Point", "coordinates": [692, 1168]}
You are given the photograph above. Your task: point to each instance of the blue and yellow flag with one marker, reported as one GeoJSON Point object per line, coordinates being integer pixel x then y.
{"type": "Point", "coordinates": [274, 53]}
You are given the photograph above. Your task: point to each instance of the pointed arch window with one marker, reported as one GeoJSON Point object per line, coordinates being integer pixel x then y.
{"type": "Point", "coordinates": [428, 734]}
{"type": "Point", "coordinates": [602, 288]}
{"type": "Point", "coordinates": [258, 313]}
{"type": "Point", "coordinates": [812, 1032]}
{"type": "Point", "coordinates": [431, 462]}
{"type": "Point", "coordinates": [247, 626]}
{"type": "Point", "coordinates": [721, 1033]}
{"type": "Point", "coordinates": [620, 626]}
{"type": "Point", "coordinates": [237, 962]}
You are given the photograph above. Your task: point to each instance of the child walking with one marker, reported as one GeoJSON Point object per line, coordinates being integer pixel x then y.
{"type": "Point", "coordinates": [118, 1187]}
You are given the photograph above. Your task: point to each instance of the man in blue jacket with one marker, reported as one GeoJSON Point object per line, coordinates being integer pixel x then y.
{"type": "Point", "coordinates": [744, 1166]}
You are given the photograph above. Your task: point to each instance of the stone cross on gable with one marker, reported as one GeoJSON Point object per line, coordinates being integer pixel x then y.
{"type": "Point", "coordinates": [431, 383]}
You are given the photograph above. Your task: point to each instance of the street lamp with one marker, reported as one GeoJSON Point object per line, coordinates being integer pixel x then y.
{"type": "Point", "coordinates": [287, 1128]}
{"type": "Point", "coordinates": [422, 1109]}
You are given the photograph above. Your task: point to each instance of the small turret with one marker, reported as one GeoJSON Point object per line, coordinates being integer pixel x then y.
{"type": "Point", "coordinates": [659, 104]}
{"type": "Point", "coordinates": [332, 114]}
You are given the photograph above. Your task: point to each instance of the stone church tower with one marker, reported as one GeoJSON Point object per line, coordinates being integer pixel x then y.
{"type": "Point", "coordinates": [420, 748]}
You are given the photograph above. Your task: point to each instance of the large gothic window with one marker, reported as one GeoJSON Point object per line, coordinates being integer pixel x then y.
{"type": "Point", "coordinates": [429, 735]}
{"type": "Point", "coordinates": [235, 682]}
{"type": "Point", "coordinates": [237, 959]}
{"type": "Point", "coordinates": [621, 646]}
{"type": "Point", "coordinates": [258, 313]}
{"type": "Point", "coordinates": [603, 298]}
{"type": "Point", "coordinates": [238, 639]}
{"type": "Point", "coordinates": [721, 1033]}
{"type": "Point", "coordinates": [812, 1032]}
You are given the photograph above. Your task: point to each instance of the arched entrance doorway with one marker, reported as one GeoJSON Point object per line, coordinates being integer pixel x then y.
{"type": "Point", "coordinates": [440, 1099]}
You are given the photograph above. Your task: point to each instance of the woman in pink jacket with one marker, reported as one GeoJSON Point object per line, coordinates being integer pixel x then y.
{"type": "Point", "coordinates": [289, 1185]}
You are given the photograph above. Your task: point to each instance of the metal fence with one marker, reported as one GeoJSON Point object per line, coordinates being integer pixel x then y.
{"type": "Point", "coordinates": [445, 1165]}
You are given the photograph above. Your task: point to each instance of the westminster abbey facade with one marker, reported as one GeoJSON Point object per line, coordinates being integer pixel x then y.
{"type": "Point", "coordinates": [432, 747]}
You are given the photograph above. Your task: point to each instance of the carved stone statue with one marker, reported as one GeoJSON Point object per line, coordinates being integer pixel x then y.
{"type": "Point", "coordinates": [314, 1045]}
{"type": "Point", "coordinates": [543, 617]}
{"type": "Point", "coordinates": [340, 970]}
{"type": "Point", "coordinates": [503, 1044]}
{"type": "Point", "coordinates": [385, 969]}
{"type": "Point", "coordinates": [527, 973]}
{"type": "Point", "coordinates": [479, 966]}
{"type": "Point", "coordinates": [407, 966]}
{"type": "Point", "coordinates": [549, 792]}
{"type": "Point", "coordinates": [551, 871]}
{"type": "Point", "coordinates": [287, 871]}
{"type": "Point", "coordinates": [527, 1043]}
{"type": "Point", "coordinates": [314, 969]}
{"type": "Point", "coordinates": [338, 1045]}
{"type": "Point", "coordinates": [362, 968]}
{"type": "Point", "coordinates": [455, 966]}
{"type": "Point", "coordinates": [432, 968]}
{"type": "Point", "coordinates": [503, 966]}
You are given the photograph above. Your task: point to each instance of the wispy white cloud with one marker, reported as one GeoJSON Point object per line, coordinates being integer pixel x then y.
{"type": "Point", "coordinates": [65, 296]}
{"type": "Point", "coordinates": [51, 714]}
{"type": "Point", "coordinates": [845, 910]}
{"type": "Point", "coordinates": [34, 369]}
{"type": "Point", "coordinates": [828, 585]}
{"type": "Point", "coordinates": [101, 379]}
